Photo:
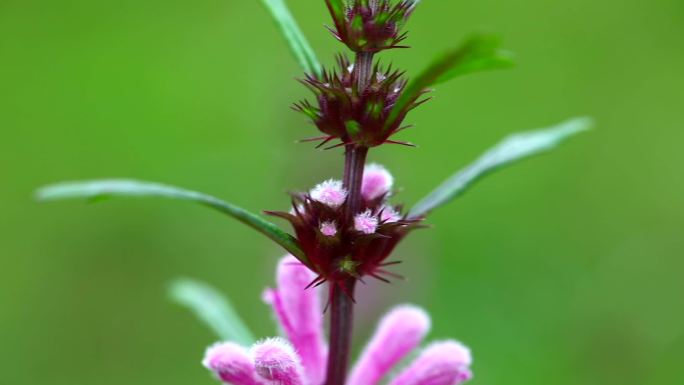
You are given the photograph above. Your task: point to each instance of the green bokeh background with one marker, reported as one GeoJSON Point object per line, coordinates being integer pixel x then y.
{"type": "Point", "coordinates": [566, 269]}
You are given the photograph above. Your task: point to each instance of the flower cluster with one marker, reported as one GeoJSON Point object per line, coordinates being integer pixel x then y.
{"type": "Point", "coordinates": [345, 230]}
{"type": "Point", "coordinates": [371, 25]}
{"type": "Point", "coordinates": [299, 359]}
{"type": "Point", "coordinates": [339, 247]}
{"type": "Point", "coordinates": [359, 116]}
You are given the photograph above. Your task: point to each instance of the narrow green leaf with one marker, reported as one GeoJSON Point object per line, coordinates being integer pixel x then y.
{"type": "Point", "coordinates": [337, 10]}
{"type": "Point", "coordinates": [99, 189]}
{"type": "Point", "coordinates": [293, 35]}
{"type": "Point", "coordinates": [511, 149]}
{"type": "Point", "coordinates": [213, 309]}
{"type": "Point", "coordinates": [478, 53]}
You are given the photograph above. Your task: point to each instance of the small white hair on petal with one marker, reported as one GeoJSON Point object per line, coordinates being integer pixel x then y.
{"type": "Point", "coordinates": [377, 181]}
{"type": "Point", "coordinates": [331, 193]}
{"type": "Point", "coordinates": [366, 222]}
{"type": "Point", "coordinates": [276, 360]}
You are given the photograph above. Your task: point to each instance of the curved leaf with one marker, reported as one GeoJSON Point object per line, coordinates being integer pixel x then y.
{"type": "Point", "coordinates": [293, 35]}
{"type": "Point", "coordinates": [478, 53]}
{"type": "Point", "coordinates": [124, 187]}
{"type": "Point", "coordinates": [213, 309]}
{"type": "Point", "coordinates": [511, 149]}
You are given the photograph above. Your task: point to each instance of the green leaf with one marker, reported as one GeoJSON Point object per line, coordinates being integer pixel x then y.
{"type": "Point", "coordinates": [99, 189]}
{"type": "Point", "coordinates": [511, 149]}
{"type": "Point", "coordinates": [337, 10]}
{"type": "Point", "coordinates": [213, 309]}
{"type": "Point", "coordinates": [478, 53]}
{"type": "Point", "coordinates": [293, 35]}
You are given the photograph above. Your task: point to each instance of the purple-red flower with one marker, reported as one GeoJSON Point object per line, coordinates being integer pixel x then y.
{"type": "Point", "coordinates": [338, 247]}
{"type": "Point", "coordinates": [299, 357]}
{"type": "Point", "coordinates": [353, 115]}
{"type": "Point", "coordinates": [371, 25]}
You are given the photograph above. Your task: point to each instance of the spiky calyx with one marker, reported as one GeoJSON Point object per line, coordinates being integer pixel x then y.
{"type": "Point", "coordinates": [339, 248]}
{"type": "Point", "coordinates": [363, 117]}
{"type": "Point", "coordinates": [371, 25]}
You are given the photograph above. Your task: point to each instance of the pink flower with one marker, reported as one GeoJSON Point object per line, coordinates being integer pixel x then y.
{"type": "Point", "coordinates": [330, 193]}
{"type": "Point", "coordinates": [377, 182]}
{"type": "Point", "coordinates": [301, 358]}
{"type": "Point", "coordinates": [329, 228]}
{"type": "Point", "coordinates": [366, 222]}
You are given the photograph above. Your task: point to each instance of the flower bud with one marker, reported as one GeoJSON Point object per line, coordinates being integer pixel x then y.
{"type": "Point", "coordinates": [388, 214]}
{"type": "Point", "coordinates": [366, 222]}
{"type": "Point", "coordinates": [275, 360]}
{"type": "Point", "coordinates": [399, 332]}
{"type": "Point", "coordinates": [329, 229]}
{"type": "Point", "coordinates": [330, 193]}
{"type": "Point", "coordinates": [377, 182]}
{"type": "Point", "coordinates": [231, 363]}
{"type": "Point", "coordinates": [372, 26]}
{"type": "Point", "coordinates": [441, 363]}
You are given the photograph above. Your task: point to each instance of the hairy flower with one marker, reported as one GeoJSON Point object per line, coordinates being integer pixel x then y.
{"type": "Point", "coordinates": [338, 247]}
{"type": "Point", "coordinates": [299, 358]}
{"type": "Point", "coordinates": [377, 182]}
{"type": "Point", "coordinates": [366, 222]}
{"type": "Point", "coordinates": [330, 193]}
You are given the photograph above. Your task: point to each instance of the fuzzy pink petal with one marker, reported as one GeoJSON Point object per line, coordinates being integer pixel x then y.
{"type": "Point", "coordinates": [377, 181]}
{"type": "Point", "coordinates": [231, 364]}
{"type": "Point", "coordinates": [441, 363]}
{"type": "Point", "coordinates": [300, 315]}
{"type": "Point", "coordinates": [275, 360]}
{"type": "Point", "coordinates": [399, 332]}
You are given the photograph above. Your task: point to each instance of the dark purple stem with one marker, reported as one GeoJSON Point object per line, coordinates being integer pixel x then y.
{"type": "Point", "coordinates": [342, 292]}
{"type": "Point", "coordinates": [341, 322]}
{"type": "Point", "coordinates": [354, 163]}
{"type": "Point", "coordinates": [363, 68]}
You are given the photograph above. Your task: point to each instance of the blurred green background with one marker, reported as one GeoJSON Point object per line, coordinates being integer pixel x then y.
{"type": "Point", "coordinates": [565, 269]}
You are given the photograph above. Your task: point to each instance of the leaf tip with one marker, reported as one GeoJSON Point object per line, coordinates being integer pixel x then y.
{"type": "Point", "coordinates": [576, 125]}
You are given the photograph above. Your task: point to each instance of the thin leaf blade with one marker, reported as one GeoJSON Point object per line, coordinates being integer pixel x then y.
{"type": "Point", "coordinates": [100, 189]}
{"type": "Point", "coordinates": [294, 36]}
{"type": "Point", "coordinates": [212, 308]}
{"type": "Point", "coordinates": [337, 10]}
{"type": "Point", "coordinates": [478, 53]}
{"type": "Point", "coordinates": [513, 148]}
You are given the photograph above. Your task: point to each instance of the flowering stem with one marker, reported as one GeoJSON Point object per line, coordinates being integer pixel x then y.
{"type": "Point", "coordinates": [341, 320]}
{"type": "Point", "coordinates": [363, 67]}
{"type": "Point", "coordinates": [354, 163]}
{"type": "Point", "coordinates": [342, 306]}
{"type": "Point", "coordinates": [341, 295]}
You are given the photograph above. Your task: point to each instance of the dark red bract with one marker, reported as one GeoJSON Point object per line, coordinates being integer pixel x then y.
{"type": "Point", "coordinates": [373, 25]}
{"type": "Point", "coordinates": [349, 253]}
{"type": "Point", "coordinates": [353, 115]}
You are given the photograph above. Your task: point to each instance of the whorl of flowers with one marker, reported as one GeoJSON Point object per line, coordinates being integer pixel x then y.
{"type": "Point", "coordinates": [370, 25]}
{"type": "Point", "coordinates": [357, 113]}
{"type": "Point", "coordinates": [339, 247]}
